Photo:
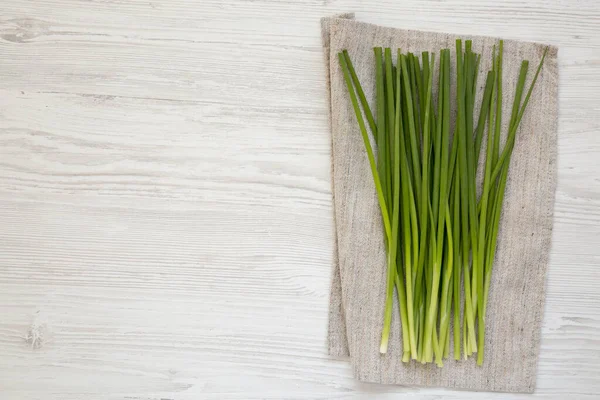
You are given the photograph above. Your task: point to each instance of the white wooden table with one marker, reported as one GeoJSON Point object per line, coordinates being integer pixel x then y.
{"type": "Point", "coordinates": [165, 204]}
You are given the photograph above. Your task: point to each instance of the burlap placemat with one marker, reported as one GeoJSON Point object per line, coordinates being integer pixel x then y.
{"type": "Point", "coordinates": [516, 301]}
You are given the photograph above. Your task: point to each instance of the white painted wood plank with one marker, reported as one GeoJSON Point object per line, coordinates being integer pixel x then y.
{"type": "Point", "coordinates": [165, 202]}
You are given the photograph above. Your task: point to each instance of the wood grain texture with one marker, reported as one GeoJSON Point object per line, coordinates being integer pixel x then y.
{"type": "Point", "coordinates": [165, 197]}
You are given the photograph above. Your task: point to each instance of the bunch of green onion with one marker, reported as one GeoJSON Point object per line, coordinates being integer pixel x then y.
{"type": "Point", "coordinates": [440, 237]}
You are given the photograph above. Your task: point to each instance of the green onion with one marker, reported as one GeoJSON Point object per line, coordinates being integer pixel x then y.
{"type": "Point", "coordinates": [437, 232]}
{"type": "Point", "coordinates": [399, 163]}
{"type": "Point", "coordinates": [380, 196]}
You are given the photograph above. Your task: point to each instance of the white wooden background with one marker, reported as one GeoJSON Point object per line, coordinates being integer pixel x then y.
{"type": "Point", "coordinates": [165, 205]}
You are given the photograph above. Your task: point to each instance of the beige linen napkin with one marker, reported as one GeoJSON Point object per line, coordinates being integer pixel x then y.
{"type": "Point", "coordinates": [516, 299]}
